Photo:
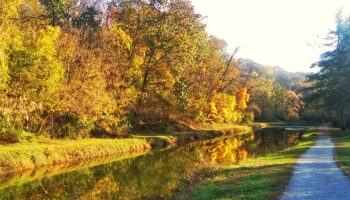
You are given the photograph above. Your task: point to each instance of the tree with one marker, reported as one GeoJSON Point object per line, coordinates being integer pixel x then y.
{"type": "Point", "coordinates": [56, 11]}
{"type": "Point", "coordinates": [164, 44]}
{"type": "Point", "coordinates": [330, 91]}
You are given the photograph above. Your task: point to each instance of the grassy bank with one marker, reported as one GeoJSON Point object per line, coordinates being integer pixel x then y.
{"type": "Point", "coordinates": [342, 150]}
{"type": "Point", "coordinates": [24, 156]}
{"type": "Point", "coordinates": [20, 178]}
{"type": "Point", "coordinates": [33, 155]}
{"type": "Point", "coordinates": [261, 178]}
{"type": "Point", "coordinates": [202, 132]}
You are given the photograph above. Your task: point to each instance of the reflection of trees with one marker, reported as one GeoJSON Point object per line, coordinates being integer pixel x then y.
{"type": "Point", "coordinates": [223, 149]}
{"type": "Point", "coordinates": [154, 175]}
{"type": "Point", "coordinates": [148, 176]}
{"type": "Point", "coordinates": [240, 147]}
{"type": "Point", "coordinates": [271, 140]}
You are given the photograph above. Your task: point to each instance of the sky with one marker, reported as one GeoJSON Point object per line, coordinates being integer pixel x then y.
{"type": "Point", "coordinates": [285, 33]}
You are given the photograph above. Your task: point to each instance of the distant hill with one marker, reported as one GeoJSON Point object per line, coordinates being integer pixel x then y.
{"type": "Point", "coordinates": [289, 80]}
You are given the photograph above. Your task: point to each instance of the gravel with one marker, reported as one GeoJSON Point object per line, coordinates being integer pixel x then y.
{"type": "Point", "coordinates": [316, 175]}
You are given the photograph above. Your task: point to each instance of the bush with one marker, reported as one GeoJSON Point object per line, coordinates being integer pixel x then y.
{"type": "Point", "coordinates": [248, 117]}
{"type": "Point", "coordinates": [26, 136]}
{"type": "Point", "coordinates": [12, 135]}
{"type": "Point", "coordinates": [9, 135]}
{"type": "Point", "coordinates": [70, 125]}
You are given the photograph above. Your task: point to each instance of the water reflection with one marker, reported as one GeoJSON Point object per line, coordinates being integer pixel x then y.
{"type": "Point", "coordinates": [234, 149]}
{"type": "Point", "coordinates": [151, 176]}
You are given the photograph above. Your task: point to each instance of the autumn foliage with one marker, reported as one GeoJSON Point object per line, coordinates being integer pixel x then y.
{"type": "Point", "coordinates": [93, 68]}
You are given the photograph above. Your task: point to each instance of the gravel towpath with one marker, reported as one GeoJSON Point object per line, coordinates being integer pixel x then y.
{"type": "Point", "coordinates": [316, 175]}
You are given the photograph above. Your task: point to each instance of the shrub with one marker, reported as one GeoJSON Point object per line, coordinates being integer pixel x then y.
{"type": "Point", "coordinates": [9, 135]}
{"type": "Point", "coordinates": [71, 126]}
{"type": "Point", "coordinates": [12, 135]}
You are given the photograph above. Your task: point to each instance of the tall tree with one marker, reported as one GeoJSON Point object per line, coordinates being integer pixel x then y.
{"type": "Point", "coordinates": [330, 90]}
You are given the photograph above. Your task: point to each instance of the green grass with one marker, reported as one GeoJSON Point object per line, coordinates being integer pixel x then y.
{"type": "Point", "coordinates": [261, 124]}
{"type": "Point", "coordinates": [219, 127]}
{"type": "Point", "coordinates": [201, 132]}
{"type": "Point", "coordinates": [25, 156]}
{"type": "Point", "coordinates": [39, 153]}
{"type": "Point", "coordinates": [342, 150]}
{"type": "Point", "coordinates": [262, 178]}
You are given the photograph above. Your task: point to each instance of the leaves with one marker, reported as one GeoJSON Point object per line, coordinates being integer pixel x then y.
{"type": "Point", "coordinates": [80, 68]}
{"type": "Point", "coordinates": [329, 91]}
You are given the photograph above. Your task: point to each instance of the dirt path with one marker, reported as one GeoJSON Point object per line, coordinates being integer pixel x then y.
{"type": "Point", "coordinates": [316, 176]}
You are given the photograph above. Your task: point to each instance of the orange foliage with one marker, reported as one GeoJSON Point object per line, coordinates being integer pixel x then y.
{"type": "Point", "coordinates": [243, 98]}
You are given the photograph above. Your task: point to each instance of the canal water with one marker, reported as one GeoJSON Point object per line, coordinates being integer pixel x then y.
{"type": "Point", "coordinates": [155, 175]}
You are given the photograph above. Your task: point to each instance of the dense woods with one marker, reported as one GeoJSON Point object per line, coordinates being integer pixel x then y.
{"type": "Point", "coordinates": [73, 68]}
{"type": "Point", "coordinates": [134, 99]}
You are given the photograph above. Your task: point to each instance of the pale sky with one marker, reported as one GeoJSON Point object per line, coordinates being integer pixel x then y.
{"type": "Point", "coordinates": [285, 33]}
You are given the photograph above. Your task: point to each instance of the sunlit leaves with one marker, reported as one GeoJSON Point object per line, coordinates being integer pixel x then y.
{"type": "Point", "coordinates": [243, 98]}
{"type": "Point", "coordinates": [111, 66]}
{"type": "Point", "coordinates": [9, 36]}
{"type": "Point", "coordinates": [120, 37]}
{"type": "Point", "coordinates": [36, 63]}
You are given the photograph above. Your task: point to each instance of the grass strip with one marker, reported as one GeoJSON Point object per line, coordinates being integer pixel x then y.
{"type": "Point", "coordinates": [342, 150]}
{"type": "Point", "coordinates": [261, 178]}
{"type": "Point", "coordinates": [25, 156]}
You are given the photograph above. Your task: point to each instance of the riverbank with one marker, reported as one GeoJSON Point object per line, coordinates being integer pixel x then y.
{"type": "Point", "coordinates": [261, 178]}
{"type": "Point", "coordinates": [32, 155]}
{"type": "Point", "coordinates": [164, 140]}
{"type": "Point", "coordinates": [342, 150]}
{"type": "Point", "coordinates": [26, 156]}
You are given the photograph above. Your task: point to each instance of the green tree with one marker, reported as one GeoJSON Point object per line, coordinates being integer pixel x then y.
{"type": "Point", "coordinates": [56, 11]}
{"type": "Point", "coordinates": [330, 91]}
